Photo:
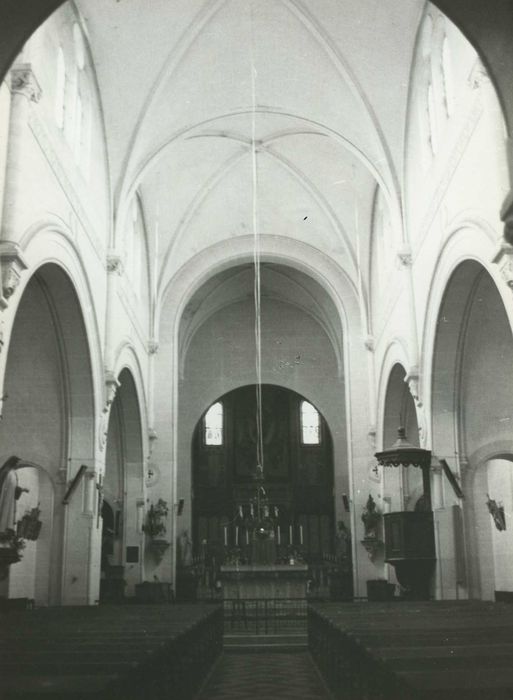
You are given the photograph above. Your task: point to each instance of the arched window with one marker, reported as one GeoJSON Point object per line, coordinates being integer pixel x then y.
{"type": "Point", "coordinates": [310, 424]}
{"type": "Point", "coordinates": [213, 424]}
{"type": "Point", "coordinates": [60, 87]}
{"type": "Point", "coordinates": [77, 136]}
{"type": "Point", "coordinates": [78, 42]}
{"type": "Point", "coordinates": [432, 118]}
{"type": "Point", "coordinates": [447, 77]}
{"type": "Point", "coordinates": [86, 129]}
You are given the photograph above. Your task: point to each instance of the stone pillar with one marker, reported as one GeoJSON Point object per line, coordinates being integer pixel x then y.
{"type": "Point", "coordinates": [114, 270]}
{"type": "Point", "coordinates": [82, 540]}
{"type": "Point", "coordinates": [24, 90]}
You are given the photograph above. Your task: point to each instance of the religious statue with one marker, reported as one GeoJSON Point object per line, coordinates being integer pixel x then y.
{"type": "Point", "coordinates": [184, 549]}
{"type": "Point", "coordinates": [371, 517]}
{"type": "Point", "coordinates": [10, 492]}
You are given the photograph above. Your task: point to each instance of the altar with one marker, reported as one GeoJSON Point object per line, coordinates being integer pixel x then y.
{"type": "Point", "coordinates": [245, 581]}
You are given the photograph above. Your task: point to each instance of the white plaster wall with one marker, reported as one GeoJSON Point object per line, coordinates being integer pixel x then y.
{"type": "Point", "coordinates": [296, 354]}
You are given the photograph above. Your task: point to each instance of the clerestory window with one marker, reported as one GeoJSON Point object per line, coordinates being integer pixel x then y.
{"type": "Point", "coordinates": [213, 425]}
{"type": "Point", "coordinates": [310, 424]}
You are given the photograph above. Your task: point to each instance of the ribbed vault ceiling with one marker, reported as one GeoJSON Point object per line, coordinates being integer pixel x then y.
{"type": "Point", "coordinates": [321, 84]}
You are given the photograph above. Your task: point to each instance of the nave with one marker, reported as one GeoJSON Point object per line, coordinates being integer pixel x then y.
{"type": "Point", "coordinates": [242, 242]}
{"type": "Point", "coordinates": [356, 651]}
{"type": "Point", "coordinates": [266, 676]}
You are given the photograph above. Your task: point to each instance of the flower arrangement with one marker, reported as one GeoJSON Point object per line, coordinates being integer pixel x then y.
{"type": "Point", "coordinates": [11, 546]}
{"type": "Point", "coordinates": [29, 526]}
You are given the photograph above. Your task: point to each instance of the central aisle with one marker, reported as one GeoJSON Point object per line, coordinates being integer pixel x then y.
{"type": "Point", "coordinates": [265, 676]}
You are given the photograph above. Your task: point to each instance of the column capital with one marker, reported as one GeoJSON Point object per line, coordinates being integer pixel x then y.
{"type": "Point", "coordinates": [114, 264]}
{"type": "Point", "coordinates": [24, 82]}
{"type": "Point", "coordinates": [13, 264]}
{"type": "Point", "coordinates": [111, 387]}
{"type": "Point", "coordinates": [369, 343]}
{"type": "Point", "coordinates": [404, 257]}
{"type": "Point", "coordinates": [153, 346]}
{"type": "Point", "coordinates": [503, 257]}
{"type": "Point", "coordinates": [412, 379]}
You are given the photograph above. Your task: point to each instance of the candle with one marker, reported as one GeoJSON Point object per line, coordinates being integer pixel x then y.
{"type": "Point", "coordinates": [252, 512]}
{"type": "Point", "coordinates": [290, 533]}
{"type": "Point", "coordinates": [275, 511]}
{"type": "Point", "coordinates": [300, 534]}
{"type": "Point", "coordinates": [225, 536]}
{"type": "Point", "coordinates": [241, 514]}
{"type": "Point", "coordinates": [236, 535]}
{"type": "Point", "coordinates": [279, 535]}
{"type": "Point", "coordinates": [247, 536]}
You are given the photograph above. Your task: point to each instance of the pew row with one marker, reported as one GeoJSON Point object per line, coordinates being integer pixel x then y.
{"type": "Point", "coordinates": [110, 652]}
{"type": "Point", "coordinates": [414, 651]}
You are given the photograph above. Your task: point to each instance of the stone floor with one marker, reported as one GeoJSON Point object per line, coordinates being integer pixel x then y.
{"type": "Point", "coordinates": [265, 676]}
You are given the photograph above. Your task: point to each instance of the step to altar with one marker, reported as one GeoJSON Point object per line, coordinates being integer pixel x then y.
{"type": "Point", "coordinates": [254, 643]}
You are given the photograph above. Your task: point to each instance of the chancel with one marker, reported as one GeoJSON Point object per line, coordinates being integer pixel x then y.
{"type": "Point", "coordinates": [256, 267]}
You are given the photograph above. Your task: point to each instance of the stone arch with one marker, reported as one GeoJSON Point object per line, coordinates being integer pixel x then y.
{"type": "Point", "coordinates": [124, 491]}
{"type": "Point", "coordinates": [471, 409]}
{"type": "Point", "coordinates": [402, 487]}
{"type": "Point", "coordinates": [49, 419]}
{"type": "Point", "coordinates": [466, 234]}
{"type": "Point", "coordinates": [303, 258]}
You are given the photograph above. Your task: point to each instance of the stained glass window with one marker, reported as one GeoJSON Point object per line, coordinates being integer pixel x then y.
{"type": "Point", "coordinates": [214, 425]}
{"type": "Point", "coordinates": [310, 424]}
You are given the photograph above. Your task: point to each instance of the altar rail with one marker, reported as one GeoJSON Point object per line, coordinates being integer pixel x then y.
{"type": "Point", "coordinates": [131, 652]}
{"type": "Point", "coordinates": [414, 651]}
{"type": "Point", "coordinates": [265, 615]}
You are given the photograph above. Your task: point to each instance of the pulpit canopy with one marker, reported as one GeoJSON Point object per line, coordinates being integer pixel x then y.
{"type": "Point", "coordinates": [403, 453]}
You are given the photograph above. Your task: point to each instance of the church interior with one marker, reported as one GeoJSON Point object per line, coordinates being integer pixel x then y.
{"type": "Point", "coordinates": [256, 267]}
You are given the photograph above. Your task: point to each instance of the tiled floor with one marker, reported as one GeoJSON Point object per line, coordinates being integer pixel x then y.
{"type": "Point", "coordinates": [264, 676]}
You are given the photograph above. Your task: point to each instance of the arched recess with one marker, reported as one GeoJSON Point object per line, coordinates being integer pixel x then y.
{"type": "Point", "coordinates": [298, 481]}
{"type": "Point", "coordinates": [472, 405]}
{"type": "Point", "coordinates": [402, 486]}
{"type": "Point", "coordinates": [48, 419]}
{"type": "Point", "coordinates": [175, 426]}
{"type": "Point", "coordinates": [122, 538]}
{"type": "Point", "coordinates": [291, 467]}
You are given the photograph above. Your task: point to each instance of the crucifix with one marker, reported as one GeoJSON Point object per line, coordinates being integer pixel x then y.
{"type": "Point", "coordinates": [99, 488]}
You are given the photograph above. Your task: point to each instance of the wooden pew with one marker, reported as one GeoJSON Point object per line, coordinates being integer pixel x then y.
{"type": "Point", "coordinates": [120, 651]}
{"type": "Point", "coordinates": [414, 650]}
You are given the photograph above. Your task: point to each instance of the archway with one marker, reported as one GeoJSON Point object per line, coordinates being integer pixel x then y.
{"type": "Point", "coordinates": [122, 540]}
{"type": "Point", "coordinates": [48, 420]}
{"type": "Point", "coordinates": [472, 406]}
{"type": "Point", "coordinates": [402, 487]}
{"type": "Point", "coordinates": [298, 479]}
{"type": "Point", "coordinates": [301, 348]}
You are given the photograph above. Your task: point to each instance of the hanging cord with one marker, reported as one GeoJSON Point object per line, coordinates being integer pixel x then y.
{"type": "Point", "coordinates": [256, 260]}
